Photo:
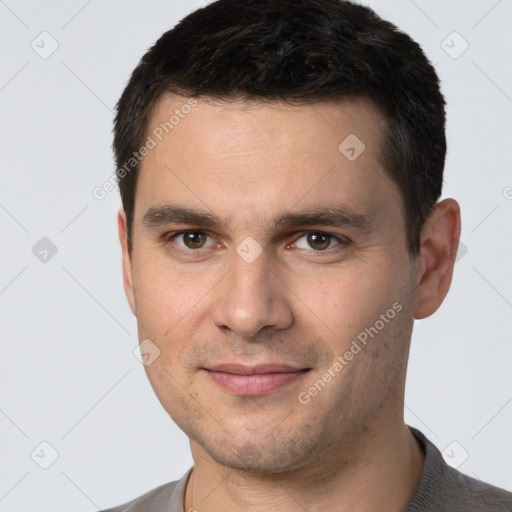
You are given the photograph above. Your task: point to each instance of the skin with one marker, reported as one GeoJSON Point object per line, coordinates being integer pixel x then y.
{"type": "Point", "coordinates": [298, 303]}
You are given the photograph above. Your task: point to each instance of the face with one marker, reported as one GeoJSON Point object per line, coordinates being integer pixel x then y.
{"type": "Point", "coordinates": [270, 270]}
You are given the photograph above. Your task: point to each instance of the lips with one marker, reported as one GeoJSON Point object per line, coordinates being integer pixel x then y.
{"type": "Point", "coordinates": [263, 379]}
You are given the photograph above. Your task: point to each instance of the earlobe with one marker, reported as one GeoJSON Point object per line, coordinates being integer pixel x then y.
{"type": "Point", "coordinates": [126, 259]}
{"type": "Point", "coordinates": [439, 243]}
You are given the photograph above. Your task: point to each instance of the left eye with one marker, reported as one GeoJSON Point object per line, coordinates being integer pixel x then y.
{"type": "Point", "coordinates": [318, 241]}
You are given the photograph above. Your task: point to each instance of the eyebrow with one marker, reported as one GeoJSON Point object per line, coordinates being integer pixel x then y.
{"type": "Point", "coordinates": [171, 214]}
{"type": "Point", "coordinates": [335, 216]}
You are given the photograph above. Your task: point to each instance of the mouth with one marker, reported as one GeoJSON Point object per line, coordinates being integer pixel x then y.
{"type": "Point", "coordinates": [241, 380]}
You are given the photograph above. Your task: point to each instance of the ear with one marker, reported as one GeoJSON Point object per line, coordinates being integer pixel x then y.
{"type": "Point", "coordinates": [439, 243]}
{"type": "Point", "coordinates": [127, 260]}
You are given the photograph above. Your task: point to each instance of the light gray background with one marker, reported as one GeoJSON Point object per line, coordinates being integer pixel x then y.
{"type": "Point", "coordinates": [68, 373]}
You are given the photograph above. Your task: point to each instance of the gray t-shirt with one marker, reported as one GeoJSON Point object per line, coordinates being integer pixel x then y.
{"type": "Point", "coordinates": [441, 489]}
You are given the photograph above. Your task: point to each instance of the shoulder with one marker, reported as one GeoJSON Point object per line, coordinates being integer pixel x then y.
{"type": "Point", "coordinates": [444, 488]}
{"type": "Point", "coordinates": [471, 491]}
{"type": "Point", "coordinates": [155, 500]}
{"type": "Point", "coordinates": [165, 498]}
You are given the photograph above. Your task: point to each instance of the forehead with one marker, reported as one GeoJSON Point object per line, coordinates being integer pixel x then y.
{"type": "Point", "coordinates": [259, 157]}
{"type": "Point", "coordinates": [270, 122]}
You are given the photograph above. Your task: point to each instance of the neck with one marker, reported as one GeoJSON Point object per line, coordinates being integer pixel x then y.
{"type": "Point", "coordinates": [375, 469]}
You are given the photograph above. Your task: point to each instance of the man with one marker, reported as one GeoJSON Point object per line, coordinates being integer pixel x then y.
{"type": "Point", "coordinates": [280, 163]}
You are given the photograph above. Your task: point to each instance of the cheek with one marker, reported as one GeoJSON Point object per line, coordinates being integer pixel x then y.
{"type": "Point", "coordinates": [175, 393]}
{"type": "Point", "coordinates": [173, 308]}
{"type": "Point", "coordinates": [351, 299]}
{"type": "Point", "coordinates": [366, 314]}
{"type": "Point", "coordinates": [165, 297]}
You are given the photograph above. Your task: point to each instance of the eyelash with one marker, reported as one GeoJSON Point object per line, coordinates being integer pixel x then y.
{"type": "Point", "coordinates": [341, 241]}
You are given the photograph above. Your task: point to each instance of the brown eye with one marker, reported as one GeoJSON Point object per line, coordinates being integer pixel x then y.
{"type": "Point", "coordinates": [319, 241]}
{"type": "Point", "coordinates": [194, 239]}
{"type": "Point", "coordinates": [191, 239]}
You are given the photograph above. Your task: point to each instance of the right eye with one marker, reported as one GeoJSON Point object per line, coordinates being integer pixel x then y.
{"type": "Point", "coordinates": [190, 239]}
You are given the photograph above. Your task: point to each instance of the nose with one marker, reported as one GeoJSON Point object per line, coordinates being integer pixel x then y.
{"type": "Point", "coordinates": [252, 297]}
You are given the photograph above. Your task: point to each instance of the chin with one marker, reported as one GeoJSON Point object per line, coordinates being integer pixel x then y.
{"type": "Point", "coordinates": [253, 461]}
{"type": "Point", "coordinates": [270, 455]}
